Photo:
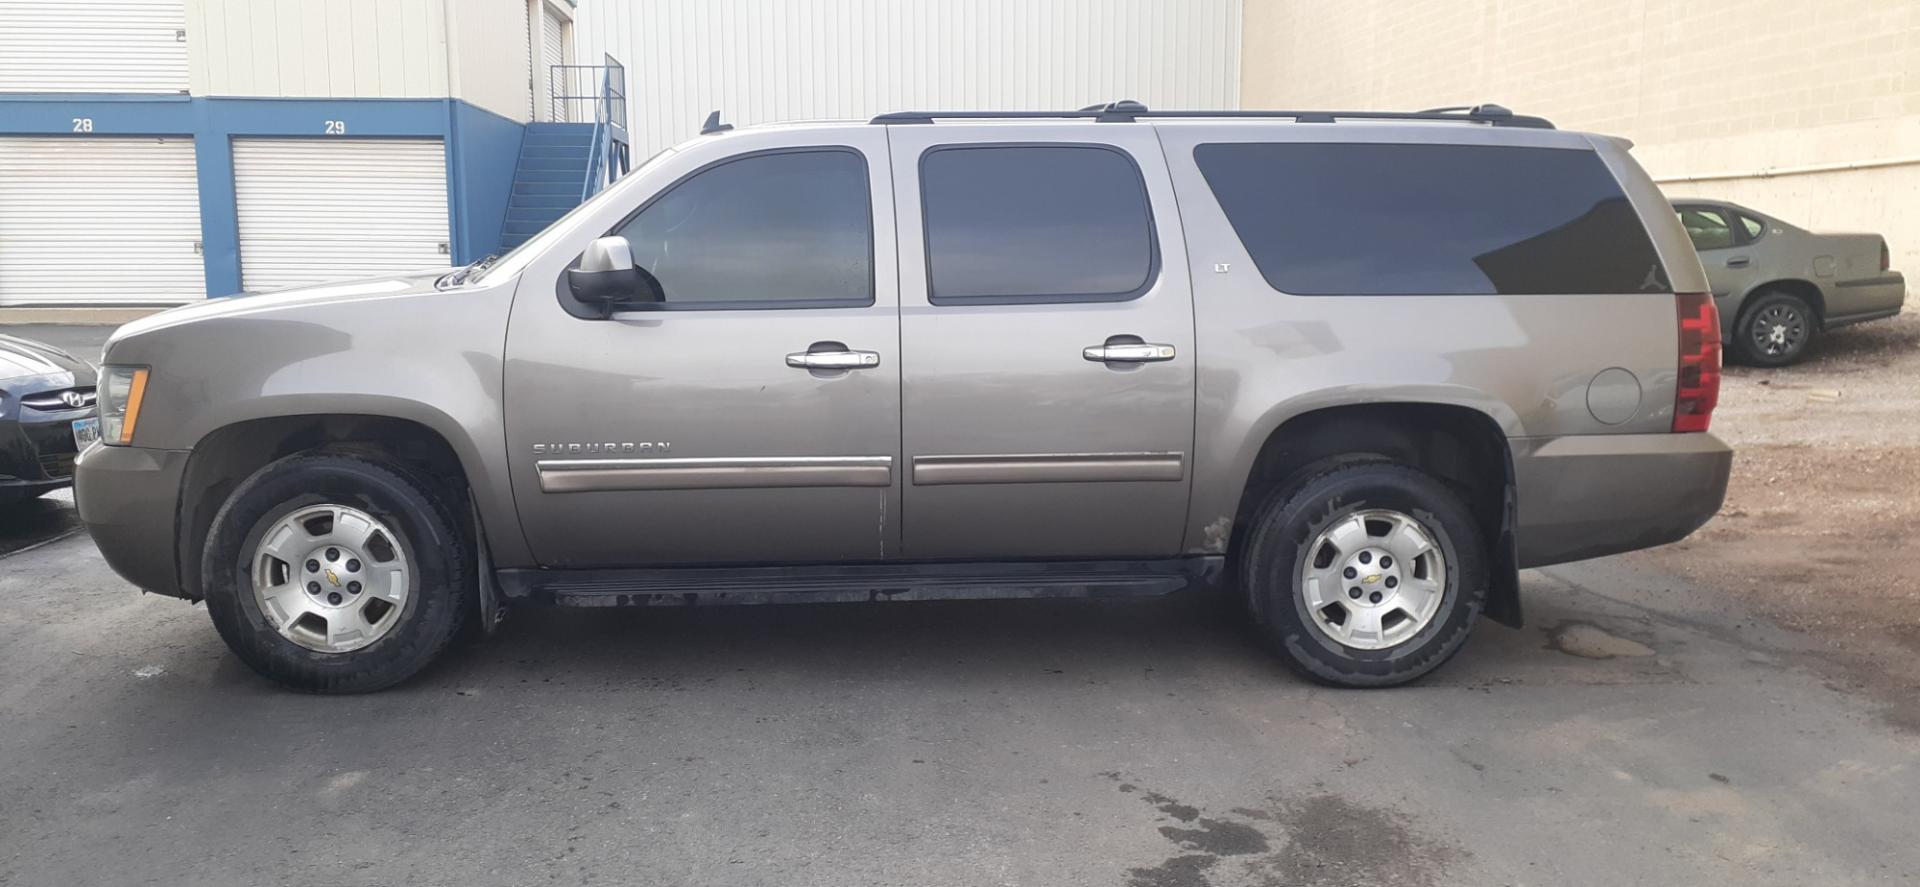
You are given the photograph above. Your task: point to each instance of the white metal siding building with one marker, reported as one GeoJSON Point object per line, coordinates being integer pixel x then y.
{"type": "Point", "coordinates": [100, 46]}
{"type": "Point", "coordinates": [759, 61]}
{"type": "Point", "coordinates": [208, 147]}
{"type": "Point", "coordinates": [223, 146]}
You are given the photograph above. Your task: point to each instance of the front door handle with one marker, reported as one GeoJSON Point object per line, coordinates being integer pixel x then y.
{"type": "Point", "coordinates": [841, 358]}
{"type": "Point", "coordinates": [1738, 262]}
{"type": "Point", "coordinates": [1128, 352]}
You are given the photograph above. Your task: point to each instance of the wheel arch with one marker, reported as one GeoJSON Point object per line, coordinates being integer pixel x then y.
{"type": "Point", "coordinates": [227, 455]}
{"type": "Point", "coordinates": [1805, 289]}
{"type": "Point", "coordinates": [1465, 446]}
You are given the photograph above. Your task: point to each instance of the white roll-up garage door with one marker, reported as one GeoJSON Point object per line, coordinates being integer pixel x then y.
{"type": "Point", "coordinates": [93, 46]}
{"type": "Point", "coordinates": [553, 49]}
{"type": "Point", "coordinates": [313, 210]}
{"type": "Point", "coordinates": [87, 220]}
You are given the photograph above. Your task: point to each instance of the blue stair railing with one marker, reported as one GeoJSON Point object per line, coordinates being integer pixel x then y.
{"type": "Point", "coordinates": [605, 87]}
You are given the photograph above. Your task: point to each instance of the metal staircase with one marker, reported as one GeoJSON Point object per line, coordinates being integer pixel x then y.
{"type": "Point", "coordinates": [547, 180]}
{"type": "Point", "coordinates": [562, 163]}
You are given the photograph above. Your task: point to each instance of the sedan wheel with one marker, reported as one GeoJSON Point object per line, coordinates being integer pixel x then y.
{"type": "Point", "coordinates": [1776, 329]}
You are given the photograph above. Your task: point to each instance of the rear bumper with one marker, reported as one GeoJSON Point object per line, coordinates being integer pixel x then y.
{"type": "Point", "coordinates": [128, 497]}
{"type": "Point", "coordinates": [1868, 298]}
{"type": "Point", "coordinates": [1586, 496]}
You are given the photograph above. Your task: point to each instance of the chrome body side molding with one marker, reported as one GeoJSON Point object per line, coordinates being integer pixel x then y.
{"type": "Point", "coordinates": [592, 475]}
{"type": "Point", "coordinates": [1038, 468]}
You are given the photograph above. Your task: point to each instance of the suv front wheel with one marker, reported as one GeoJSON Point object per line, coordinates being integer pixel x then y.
{"type": "Point", "coordinates": [1366, 575]}
{"type": "Point", "coordinates": [336, 573]}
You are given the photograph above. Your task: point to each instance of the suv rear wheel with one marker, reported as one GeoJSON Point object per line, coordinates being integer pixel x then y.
{"type": "Point", "coordinates": [1774, 329]}
{"type": "Point", "coordinates": [336, 573]}
{"type": "Point", "coordinates": [1366, 575]}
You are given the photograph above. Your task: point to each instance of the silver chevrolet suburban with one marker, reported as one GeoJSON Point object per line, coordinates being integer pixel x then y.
{"type": "Point", "coordinates": [1361, 368]}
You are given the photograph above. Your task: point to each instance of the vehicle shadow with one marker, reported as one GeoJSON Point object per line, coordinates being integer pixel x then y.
{"type": "Point", "coordinates": [34, 521]}
{"type": "Point", "coordinates": [1864, 346]}
{"type": "Point", "coordinates": [616, 645]}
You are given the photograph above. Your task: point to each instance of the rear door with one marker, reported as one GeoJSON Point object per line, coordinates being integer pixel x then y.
{"type": "Point", "coordinates": [1047, 340]}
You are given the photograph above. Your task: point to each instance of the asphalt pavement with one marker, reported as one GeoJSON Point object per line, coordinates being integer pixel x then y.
{"type": "Point", "coordinates": [80, 340]}
{"type": "Point", "coordinates": [1634, 734]}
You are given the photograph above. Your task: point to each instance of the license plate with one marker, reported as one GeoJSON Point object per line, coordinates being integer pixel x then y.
{"type": "Point", "coordinates": [85, 431]}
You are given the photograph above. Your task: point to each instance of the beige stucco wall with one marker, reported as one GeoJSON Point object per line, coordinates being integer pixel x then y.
{"type": "Point", "coordinates": [467, 49]}
{"type": "Point", "coordinates": [1728, 98]}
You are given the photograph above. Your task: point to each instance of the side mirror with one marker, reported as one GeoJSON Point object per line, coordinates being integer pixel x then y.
{"type": "Point", "coordinates": [606, 276]}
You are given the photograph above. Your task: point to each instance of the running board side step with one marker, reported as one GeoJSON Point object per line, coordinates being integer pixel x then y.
{"type": "Point", "coordinates": [846, 583]}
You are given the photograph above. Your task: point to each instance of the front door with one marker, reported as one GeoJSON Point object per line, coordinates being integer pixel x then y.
{"type": "Point", "coordinates": [1047, 339]}
{"type": "Point", "coordinates": [1722, 248]}
{"type": "Point", "coordinates": [754, 415]}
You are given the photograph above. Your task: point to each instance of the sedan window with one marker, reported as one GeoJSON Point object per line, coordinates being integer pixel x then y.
{"type": "Point", "coordinates": [1707, 228]}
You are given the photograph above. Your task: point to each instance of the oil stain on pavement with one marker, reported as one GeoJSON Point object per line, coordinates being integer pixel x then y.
{"type": "Point", "coordinates": [1589, 641]}
{"type": "Point", "coordinates": [1317, 840]}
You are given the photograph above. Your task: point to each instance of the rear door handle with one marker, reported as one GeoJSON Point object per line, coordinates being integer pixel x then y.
{"type": "Point", "coordinates": [843, 358]}
{"type": "Point", "coordinates": [1130, 352]}
{"type": "Point", "coordinates": [1739, 262]}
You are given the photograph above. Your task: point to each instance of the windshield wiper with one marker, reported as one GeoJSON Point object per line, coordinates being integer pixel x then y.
{"type": "Point", "coordinates": [460, 276]}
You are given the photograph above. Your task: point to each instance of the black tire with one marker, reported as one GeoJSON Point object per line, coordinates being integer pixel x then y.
{"type": "Point", "coordinates": [1291, 520]}
{"type": "Point", "coordinates": [1754, 338]}
{"type": "Point", "coordinates": [440, 580]}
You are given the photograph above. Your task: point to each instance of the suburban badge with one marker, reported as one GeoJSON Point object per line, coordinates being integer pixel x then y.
{"type": "Point", "coordinates": [626, 448]}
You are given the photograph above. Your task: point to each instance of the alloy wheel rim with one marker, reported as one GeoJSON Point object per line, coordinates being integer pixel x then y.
{"type": "Point", "coordinates": [1778, 330]}
{"type": "Point", "coordinates": [330, 578]}
{"type": "Point", "coordinates": [1373, 579]}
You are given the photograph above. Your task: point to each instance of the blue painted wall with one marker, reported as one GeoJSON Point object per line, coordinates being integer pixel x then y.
{"type": "Point", "coordinates": [481, 151]}
{"type": "Point", "coordinates": [484, 148]}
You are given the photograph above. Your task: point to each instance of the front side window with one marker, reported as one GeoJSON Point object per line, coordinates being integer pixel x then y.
{"type": "Point", "coordinates": [1405, 219]}
{"type": "Point", "coordinates": [1035, 223]}
{"type": "Point", "coordinates": [1707, 228]}
{"type": "Point", "coordinates": [782, 228]}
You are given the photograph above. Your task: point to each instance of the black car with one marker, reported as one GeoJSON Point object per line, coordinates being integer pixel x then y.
{"type": "Point", "coordinates": [46, 412]}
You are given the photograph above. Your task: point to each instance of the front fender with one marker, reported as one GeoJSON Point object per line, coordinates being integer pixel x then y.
{"type": "Point", "coordinates": [426, 356]}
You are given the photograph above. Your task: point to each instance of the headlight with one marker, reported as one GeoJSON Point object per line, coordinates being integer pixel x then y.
{"type": "Point", "coordinates": [121, 389]}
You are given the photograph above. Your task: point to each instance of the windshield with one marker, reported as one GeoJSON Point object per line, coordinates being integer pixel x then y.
{"type": "Point", "coordinates": [518, 257]}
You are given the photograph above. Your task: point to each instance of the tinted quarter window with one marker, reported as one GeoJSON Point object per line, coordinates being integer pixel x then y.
{"type": "Point", "coordinates": [1371, 219]}
{"type": "Point", "coordinates": [1707, 228]}
{"type": "Point", "coordinates": [1035, 223]}
{"type": "Point", "coordinates": [787, 227]}
{"type": "Point", "coordinates": [1753, 226]}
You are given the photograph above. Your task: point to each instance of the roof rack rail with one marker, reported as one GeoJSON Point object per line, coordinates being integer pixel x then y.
{"type": "Point", "coordinates": [1129, 111]}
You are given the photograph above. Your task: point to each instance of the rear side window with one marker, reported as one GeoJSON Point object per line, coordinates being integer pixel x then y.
{"type": "Point", "coordinates": [1368, 219]}
{"type": "Point", "coordinates": [1707, 228]}
{"type": "Point", "coordinates": [1035, 223]}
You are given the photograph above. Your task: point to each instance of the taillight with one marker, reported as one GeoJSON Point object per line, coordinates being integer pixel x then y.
{"type": "Point", "coordinates": [1698, 388]}
{"type": "Point", "coordinates": [1886, 258]}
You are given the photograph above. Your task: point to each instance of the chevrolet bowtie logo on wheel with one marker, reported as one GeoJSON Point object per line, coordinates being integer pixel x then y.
{"type": "Point", "coordinates": [333, 578]}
